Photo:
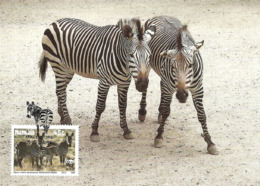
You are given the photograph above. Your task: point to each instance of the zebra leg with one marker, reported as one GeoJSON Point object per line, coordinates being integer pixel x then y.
{"type": "Point", "coordinates": [68, 78]}
{"type": "Point", "coordinates": [60, 159]}
{"type": "Point", "coordinates": [37, 128]}
{"type": "Point", "coordinates": [142, 111]}
{"type": "Point", "coordinates": [62, 80]}
{"type": "Point", "coordinates": [122, 103]}
{"type": "Point", "coordinates": [165, 111]}
{"type": "Point", "coordinates": [20, 162]}
{"type": "Point", "coordinates": [32, 159]}
{"type": "Point", "coordinates": [160, 107]}
{"type": "Point", "coordinates": [197, 97]}
{"type": "Point", "coordinates": [100, 107]}
{"type": "Point", "coordinates": [37, 162]}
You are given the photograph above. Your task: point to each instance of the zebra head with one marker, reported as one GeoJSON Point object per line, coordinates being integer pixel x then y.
{"type": "Point", "coordinates": [40, 138]}
{"type": "Point", "coordinates": [68, 139]}
{"type": "Point", "coordinates": [30, 109]}
{"type": "Point", "coordinates": [137, 50]}
{"type": "Point", "coordinates": [182, 63]}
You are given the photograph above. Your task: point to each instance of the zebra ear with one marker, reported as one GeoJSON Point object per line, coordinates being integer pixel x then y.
{"type": "Point", "coordinates": [197, 45]}
{"type": "Point", "coordinates": [72, 134]}
{"type": "Point", "coordinates": [150, 31]}
{"type": "Point", "coordinates": [32, 103]}
{"type": "Point", "coordinates": [67, 134]}
{"type": "Point", "coordinates": [127, 31]}
{"type": "Point", "coordinates": [27, 103]}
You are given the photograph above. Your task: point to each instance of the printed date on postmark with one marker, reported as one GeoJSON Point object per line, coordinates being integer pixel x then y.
{"type": "Point", "coordinates": [53, 153]}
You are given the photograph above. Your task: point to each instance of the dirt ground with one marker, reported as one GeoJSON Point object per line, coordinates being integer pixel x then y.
{"type": "Point", "coordinates": [231, 83]}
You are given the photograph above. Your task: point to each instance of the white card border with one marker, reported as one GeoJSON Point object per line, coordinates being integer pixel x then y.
{"type": "Point", "coordinates": [33, 126]}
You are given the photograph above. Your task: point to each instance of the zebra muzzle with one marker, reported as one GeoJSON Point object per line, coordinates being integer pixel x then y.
{"type": "Point", "coordinates": [141, 85]}
{"type": "Point", "coordinates": [182, 96]}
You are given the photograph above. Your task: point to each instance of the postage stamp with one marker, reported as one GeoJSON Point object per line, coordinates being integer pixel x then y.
{"type": "Point", "coordinates": [54, 153]}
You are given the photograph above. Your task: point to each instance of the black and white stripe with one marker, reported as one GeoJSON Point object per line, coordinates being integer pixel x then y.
{"type": "Point", "coordinates": [113, 54]}
{"type": "Point", "coordinates": [176, 59]}
{"type": "Point", "coordinates": [43, 115]}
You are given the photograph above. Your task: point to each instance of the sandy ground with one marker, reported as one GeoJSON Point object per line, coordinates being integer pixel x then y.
{"type": "Point", "coordinates": [231, 80]}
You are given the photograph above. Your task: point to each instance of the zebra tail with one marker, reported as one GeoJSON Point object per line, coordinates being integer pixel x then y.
{"type": "Point", "coordinates": [43, 67]}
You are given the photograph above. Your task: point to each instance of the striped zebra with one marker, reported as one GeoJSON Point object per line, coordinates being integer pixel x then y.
{"type": "Point", "coordinates": [176, 59]}
{"type": "Point", "coordinates": [40, 143]}
{"type": "Point", "coordinates": [113, 54]}
{"type": "Point", "coordinates": [28, 150]}
{"type": "Point", "coordinates": [43, 115]}
{"type": "Point", "coordinates": [63, 147]}
{"type": "Point", "coordinates": [49, 152]}
{"type": "Point", "coordinates": [21, 152]}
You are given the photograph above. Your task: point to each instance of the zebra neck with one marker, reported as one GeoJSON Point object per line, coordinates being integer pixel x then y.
{"type": "Point", "coordinates": [36, 111]}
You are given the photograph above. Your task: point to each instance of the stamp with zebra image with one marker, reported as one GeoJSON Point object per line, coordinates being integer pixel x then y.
{"type": "Point", "coordinates": [39, 153]}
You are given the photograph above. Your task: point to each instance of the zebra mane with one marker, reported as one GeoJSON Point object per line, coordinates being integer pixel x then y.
{"type": "Point", "coordinates": [135, 25]}
{"type": "Point", "coordinates": [179, 41]}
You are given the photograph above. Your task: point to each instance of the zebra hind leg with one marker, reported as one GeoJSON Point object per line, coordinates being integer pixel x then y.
{"type": "Point", "coordinates": [100, 107]}
{"type": "Point", "coordinates": [122, 102]}
{"type": "Point", "coordinates": [142, 111]}
{"type": "Point", "coordinates": [62, 80]}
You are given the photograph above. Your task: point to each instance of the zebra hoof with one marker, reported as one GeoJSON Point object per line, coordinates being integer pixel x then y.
{"type": "Point", "coordinates": [128, 136]}
{"type": "Point", "coordinates": [94, 138]}
{"type": "Point", "coordinates": [159, 118]}
{"type": "Point", "coordinates": [141, 117]}
{"type": "Point", "coordinates": [158, 142]}
{"type": "Point", "coordinates": [212, 149]}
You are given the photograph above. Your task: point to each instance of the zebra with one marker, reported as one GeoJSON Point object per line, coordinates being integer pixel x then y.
{"type": "Point", "coordinates": [50, 152]}
{"type": "Point", "coordinates": [63, 146]}
{"type": "Point", "coordinates": [176, 59]}
{"type": "Point", "coordinates": [113, 54]}
{"type": "Point", "coordinates": [23, 149]}
{"type": "Point", "coordinates": [43, 149]}
{"type": "Point", "coordinates": [21, 152]}
{"type": "Point", "coordinates": [43, 115]}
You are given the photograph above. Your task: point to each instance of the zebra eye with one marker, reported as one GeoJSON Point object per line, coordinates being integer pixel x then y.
{"type": "Point", "coordinates": [132, 55]}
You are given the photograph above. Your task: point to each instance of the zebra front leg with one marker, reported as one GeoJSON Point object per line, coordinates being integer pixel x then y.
{"type": "Point", "coordinates": [165, 111]}
{"type": "Point", "coordinates": [41, 158]}
{"type": "Point", "coordinates": [100, 107]}
{"type": "Point", "coordinates": [197, 97]}
{"type": "Point", "coordinates": [37, 162]}
{"type": "Point", "coordinates": [32, 160]}
{"type": "Point", "coordinates": [20, 162]}
{"type": "Point", "coordinates": [142, 112]}
{"type": "Point", "coordinates": [160, 107]}
{"type": "Point", "coordinates": [122, 103]}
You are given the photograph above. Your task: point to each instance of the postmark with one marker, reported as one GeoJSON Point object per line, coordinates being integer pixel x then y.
{"type": "Point", "coordinates": [54, 153]}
